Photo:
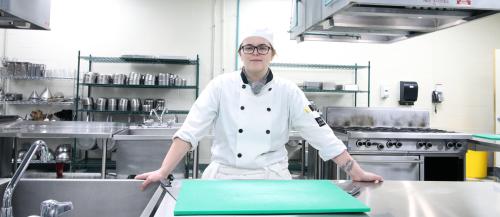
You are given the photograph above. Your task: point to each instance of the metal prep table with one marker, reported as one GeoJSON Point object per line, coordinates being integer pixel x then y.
{"type": "Point", "coordinates": [64, 129]}
{"type": "Point", "coordinates": [404, 198]}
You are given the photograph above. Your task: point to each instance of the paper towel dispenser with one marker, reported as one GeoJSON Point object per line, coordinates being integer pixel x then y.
{"type": "Point", "coordinates": [408, 92]}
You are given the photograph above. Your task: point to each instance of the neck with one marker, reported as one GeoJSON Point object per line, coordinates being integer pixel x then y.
{"type": "Point", "coordinates": [255, 76]}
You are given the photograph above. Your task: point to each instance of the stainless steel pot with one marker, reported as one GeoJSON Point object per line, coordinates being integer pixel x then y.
{"type": "Point", "coordinates": [149, 79]}
{"type": "Point", "coordinates": [134, 78]}
{"type": "Point", "coordinates": [103, 79]}
{"type": "Point", "coordinates": [100, 104]}
{"type": "Point", "coordinates": [163, 79]}
{"type": "Point", "coordinates": [160, 104]}
{"type": "Point", "coordinates": [146, 108]}
{"type": "Point", "coordinates": [90, 78]}
{"type": "Point", "coordinates": [135, 104]}
{"type": "Point", "coordinates": [119, 78]}
{"type": "Point", "coordinates": [149, 102]}
{"type": "Point", "coordinates": [123, 104]}
{"type": "Point", "coordinates": [87, 103]}
{"type": "Point", "coordinates": [112, 104]}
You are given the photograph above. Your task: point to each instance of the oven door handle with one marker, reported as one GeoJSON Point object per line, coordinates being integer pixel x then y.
{"type": "Point", "coordinates": [390, 161]}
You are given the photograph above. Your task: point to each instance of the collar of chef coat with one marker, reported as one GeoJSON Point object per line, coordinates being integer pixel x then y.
{"type": "Point", "coordinates": [268, 78]}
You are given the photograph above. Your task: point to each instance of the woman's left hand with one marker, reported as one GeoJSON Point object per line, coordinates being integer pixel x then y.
{"type": "Point", "coordinates": [367, 177]}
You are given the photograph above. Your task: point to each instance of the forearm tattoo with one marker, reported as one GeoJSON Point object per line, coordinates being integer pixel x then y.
{"type": "Point", "coordinates": [347, 167]}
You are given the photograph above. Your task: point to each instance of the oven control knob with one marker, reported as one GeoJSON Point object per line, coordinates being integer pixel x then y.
{"type": "Point", "coordinates": [450, 145]}
{"type": "Point", "coordinates": [398, 144]}
{"type": "Point", "coordinates": [428, 145]}
{"type": "Point", "coordinates": [459, 145]}
{"type": "Point", "coordinates": [420, 144]}
{"type": "Point", "coordinates": [380, 146]}
{"type": "Point", "coordinates": [368, 143]}
{"type": "Point", "coordinates": [389, 144]}
{"type": "Point", "coordinates": [359, 143]}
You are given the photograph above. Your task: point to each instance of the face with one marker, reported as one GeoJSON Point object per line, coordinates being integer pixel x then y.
{"type": "Point", "coordinates": [255, 62]}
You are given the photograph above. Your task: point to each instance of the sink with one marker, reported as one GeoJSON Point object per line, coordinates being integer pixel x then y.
{"type": "Point", "coordinates": [142, 149]}
{"type": "Point", "coordinates": [66, 175]}
{"type": "Point", "coordinates": [146, 134]}
{"type": "Point", "coordinates": [90, 197]}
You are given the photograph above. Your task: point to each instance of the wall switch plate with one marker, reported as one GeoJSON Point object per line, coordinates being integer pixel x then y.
{"type": "Point", "coordinates": [384, 92]}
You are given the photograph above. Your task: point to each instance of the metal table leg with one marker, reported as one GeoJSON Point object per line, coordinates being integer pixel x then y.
{"type": "Point", "coordinates": [196, 162]}
{"type": "Point", "coordinates": [14, 152]}
{"type": "Point", "coordinates": [303, 159]}
{"type": "Point", "coordinates": [104, 152]}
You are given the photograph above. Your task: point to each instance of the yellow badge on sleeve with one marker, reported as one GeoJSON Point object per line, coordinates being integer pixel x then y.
{"type": "Point", "coordinates": [307, 109]}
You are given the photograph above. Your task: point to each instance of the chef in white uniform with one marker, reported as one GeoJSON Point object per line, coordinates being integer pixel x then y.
{"type": "Point", "coordinates": [250, 113]}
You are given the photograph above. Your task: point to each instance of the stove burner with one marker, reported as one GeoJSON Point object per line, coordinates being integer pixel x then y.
{"type": "Point", "coordinates": [388, 129]}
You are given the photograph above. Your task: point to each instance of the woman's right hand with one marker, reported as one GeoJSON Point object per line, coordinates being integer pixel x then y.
{"type": "Point", "coordinates": [150, 177]}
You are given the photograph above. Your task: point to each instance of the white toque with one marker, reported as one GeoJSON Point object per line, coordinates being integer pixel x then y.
{"type": "Point", "coordinates": [262, 32]}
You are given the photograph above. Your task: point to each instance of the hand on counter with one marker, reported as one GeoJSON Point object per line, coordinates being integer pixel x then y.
{"type": "Point", "coordinates": [150, 177]}
{"type": "Point", "coordinates": [368, 177]}
{"type": "Point", "coordinates": [351, 167]}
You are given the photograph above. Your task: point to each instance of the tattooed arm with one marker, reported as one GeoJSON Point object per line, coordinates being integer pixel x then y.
{"type": "Point", "coordinates": [352, 168]}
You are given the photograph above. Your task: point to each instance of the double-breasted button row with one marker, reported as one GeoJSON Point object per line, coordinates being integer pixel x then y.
{"type": "Point", "coordinates": [243, 108]}
{"type": "Point", "coordinates": [245, 86]}
{"type": "Point", "coordinates": [241, 131]}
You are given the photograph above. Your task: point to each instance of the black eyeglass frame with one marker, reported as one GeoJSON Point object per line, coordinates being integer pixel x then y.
{"type": "Point", "coordinates": [261, 46]}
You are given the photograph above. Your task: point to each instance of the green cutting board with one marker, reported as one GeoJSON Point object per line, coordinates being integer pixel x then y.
{"type": "Point", "coordinates": [487, 136]}
{"type": "Point", "coordinates": [224, 197]}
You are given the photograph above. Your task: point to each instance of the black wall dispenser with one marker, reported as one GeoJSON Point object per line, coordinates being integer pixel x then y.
{"type": "Point", "coordinates": [408, 92]}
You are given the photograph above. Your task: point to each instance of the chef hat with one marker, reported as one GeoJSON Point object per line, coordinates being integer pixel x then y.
{"type": "Point", "coordinates": [262, 32]}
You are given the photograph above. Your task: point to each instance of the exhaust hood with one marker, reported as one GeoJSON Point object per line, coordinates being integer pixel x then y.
{"type": "Point", "coordinates": [381, 21]}
{"type": "Point", "coordinates": [25, 14]}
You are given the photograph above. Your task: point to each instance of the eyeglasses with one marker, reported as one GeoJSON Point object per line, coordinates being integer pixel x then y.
{"type": "Point", "coordinates": [250, 49]}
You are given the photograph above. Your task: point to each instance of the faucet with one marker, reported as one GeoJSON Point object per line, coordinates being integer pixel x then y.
{"type": "Point", "coordinates": [6, 210]}
{"type": "Point", "coordinates": [160, 118]}
{"type": "Point", "coordinates": [172, 121]}
{"type": "Point", "coordinates": [53, 208]}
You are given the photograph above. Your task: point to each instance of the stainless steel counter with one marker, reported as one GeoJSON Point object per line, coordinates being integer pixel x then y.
{"type": "Point", "coordinates": [64, 129]}
{"type": "Point", "coordinates": [61, 129]}
{"type": "Point", "coordinates": [479, 144]}
{"type": "Point", "coordinates": [407, 198]}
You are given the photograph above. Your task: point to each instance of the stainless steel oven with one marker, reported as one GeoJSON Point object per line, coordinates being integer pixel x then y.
{"type": "Point", "coordinates": [391, 167]}
{"type": "Point", "coordinates": [395, 143]}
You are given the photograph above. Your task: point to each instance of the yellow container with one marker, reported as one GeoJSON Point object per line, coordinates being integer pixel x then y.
{"type": "Point", "coordinates": [476, 164]}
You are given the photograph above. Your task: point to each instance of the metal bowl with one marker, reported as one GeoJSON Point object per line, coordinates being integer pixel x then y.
{"type": "Point", "coordinates": [63, 157]}
{"type": "Point", "coordinates": [62, 148]}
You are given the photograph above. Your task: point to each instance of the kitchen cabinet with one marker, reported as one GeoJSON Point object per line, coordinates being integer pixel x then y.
{"type": "Point", "coordinates": [85, 89]}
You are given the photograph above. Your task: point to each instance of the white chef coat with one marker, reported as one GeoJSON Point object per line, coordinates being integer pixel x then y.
{"type": "Point", "coordinates": [250, 131]}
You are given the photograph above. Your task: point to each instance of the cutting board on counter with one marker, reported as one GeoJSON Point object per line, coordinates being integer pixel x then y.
{"type": "Point", "coordinates": [240, 197]}
{"type": "Point", "coordinates": [487, 136]}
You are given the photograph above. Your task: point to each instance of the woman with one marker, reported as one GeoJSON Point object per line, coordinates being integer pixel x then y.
{"type": "Point", "coordinates": [251, 112]}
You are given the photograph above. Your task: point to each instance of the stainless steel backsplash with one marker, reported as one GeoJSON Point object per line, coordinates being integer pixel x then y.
{"type": "Point", "coordinates": [376, 117]}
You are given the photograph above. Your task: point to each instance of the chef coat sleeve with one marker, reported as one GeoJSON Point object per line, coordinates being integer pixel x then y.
{"type": "Point", "coordinates": [201, 116]}
{"type": "Point", "coordinates": [312, 127]}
